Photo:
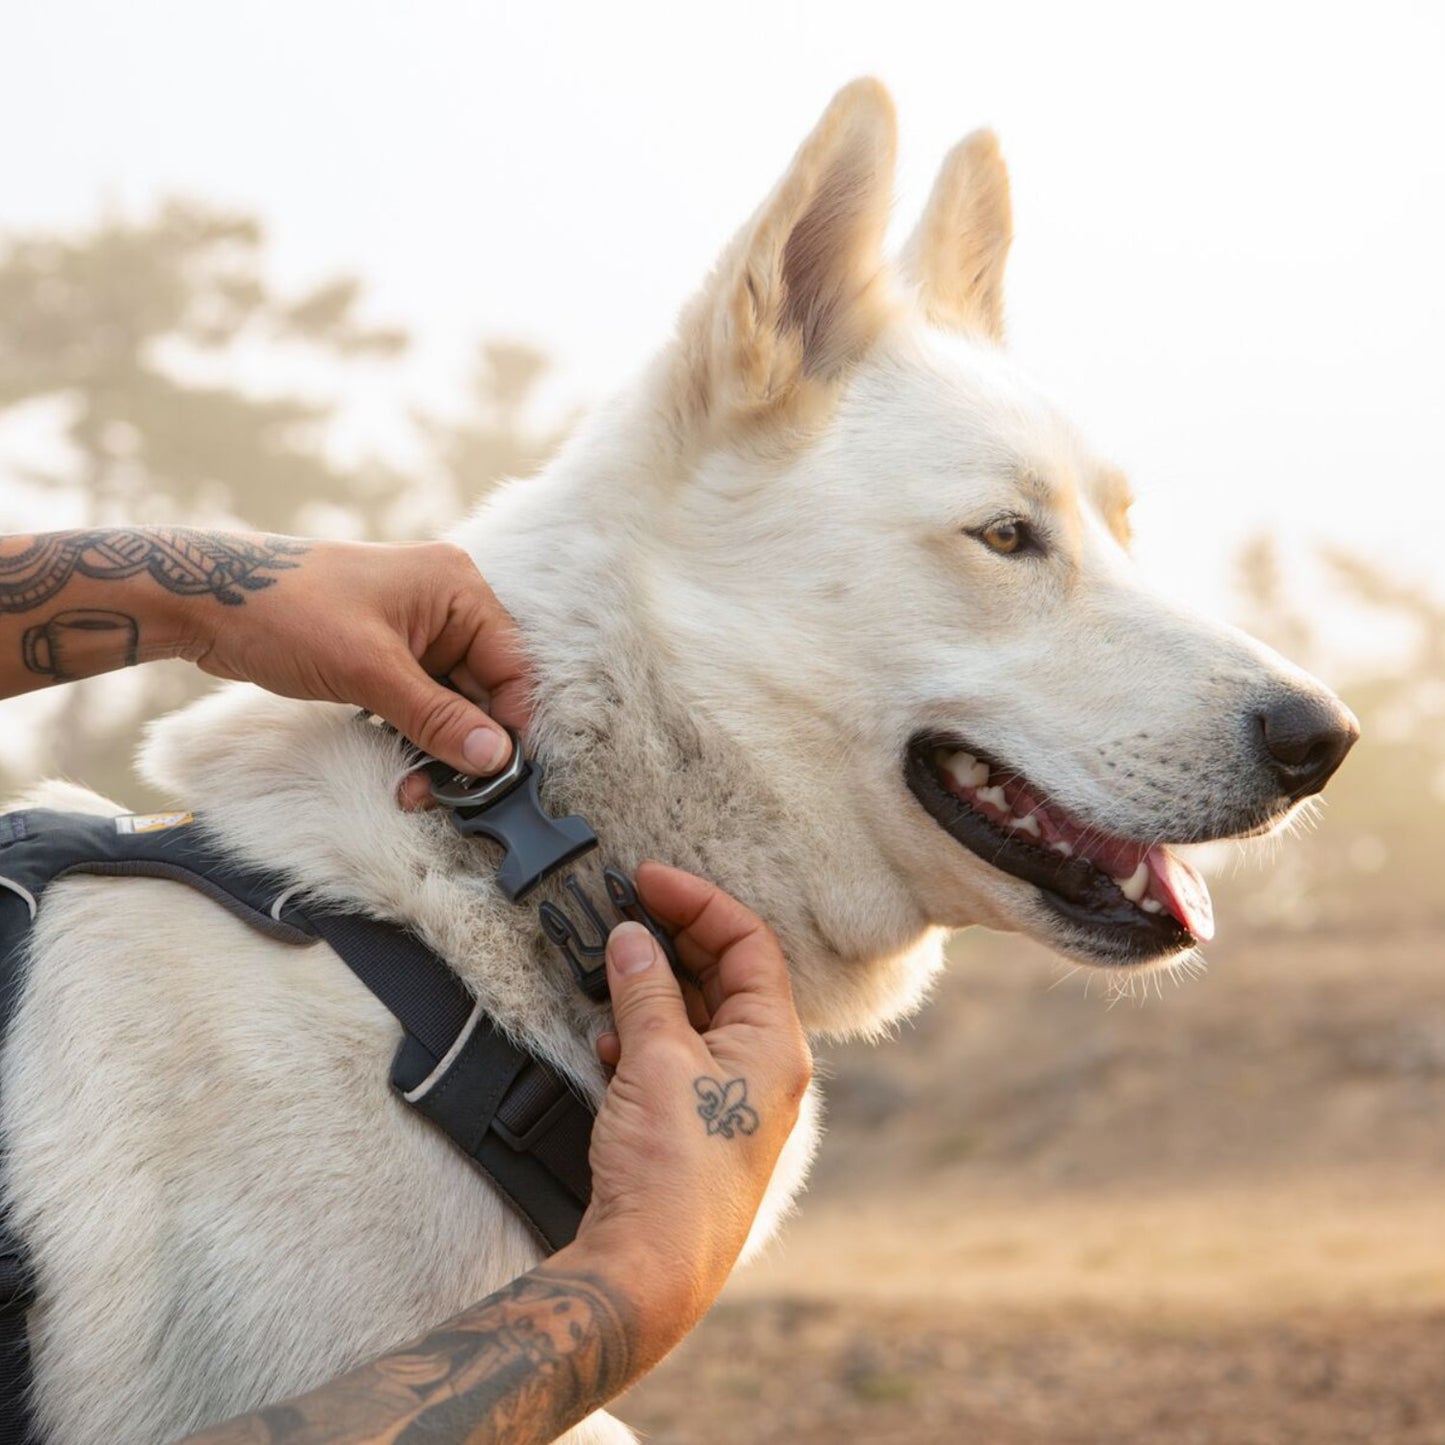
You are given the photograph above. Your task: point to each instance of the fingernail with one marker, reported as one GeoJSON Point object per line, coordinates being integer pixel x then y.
{"type": "Point", "coordinates": [484, 750]}
{"type": "Point", "coordinates": [631, 948]}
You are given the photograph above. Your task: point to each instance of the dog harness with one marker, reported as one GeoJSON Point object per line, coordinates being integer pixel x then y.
{"type": "Point", "coordinates": [511, 1114]}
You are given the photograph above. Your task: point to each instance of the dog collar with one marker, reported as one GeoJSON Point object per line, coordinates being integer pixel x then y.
{"type": "Point", "coordinates": [507, 810]}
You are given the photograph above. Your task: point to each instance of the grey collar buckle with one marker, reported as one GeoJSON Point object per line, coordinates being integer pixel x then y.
{"type": "Point", "coordinates": [508, 809]}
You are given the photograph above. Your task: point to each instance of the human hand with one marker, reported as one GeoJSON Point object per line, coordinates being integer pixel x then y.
{"type": "Point", "coordinates": [374, 624]}
{"type": "Point", "coordinates": [694, 1119]}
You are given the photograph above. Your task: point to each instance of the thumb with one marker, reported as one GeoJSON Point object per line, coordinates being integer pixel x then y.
{"type": "Point", "coordinates": [646, 997]}
{"type": "Point", "coordinates": [439, 721]}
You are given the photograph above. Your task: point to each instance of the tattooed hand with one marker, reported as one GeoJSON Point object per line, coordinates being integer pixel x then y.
{"type": "Point", "coordinates": [366, 623]}
{"type": "Point", "coordinates": [350, 622]}
{"type": "Point", "coordinates": [695, 1117]}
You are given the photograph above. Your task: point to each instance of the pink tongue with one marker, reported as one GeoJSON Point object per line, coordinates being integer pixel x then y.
{"type": "Point", "coordinates": [1182, 891]}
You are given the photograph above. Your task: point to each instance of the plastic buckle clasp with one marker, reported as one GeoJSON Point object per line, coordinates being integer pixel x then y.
{"type": "Point", "coordinates": [584, 944]}
{"type": "Point", "coordinates": [508, 809]}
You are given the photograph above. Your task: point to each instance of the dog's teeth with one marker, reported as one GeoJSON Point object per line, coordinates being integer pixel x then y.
{"type": "Point", "coordinates": [1152, 905]}
{"type": "Point", "coordinates": [1134, 885]}
{"type": "Point", "coordinates": [1067, 849]}
{"type": "Point", "coordinates": [1028, 824]}
{"type": "Point", "coordinates": [959, 767]}
{"type": "Point", "coordinates": [994, 798]}
{"type": "Point", "coordinates": [965, 769]}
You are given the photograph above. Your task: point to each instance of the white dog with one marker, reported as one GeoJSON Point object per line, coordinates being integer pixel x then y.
{"type": "Point", "coordinates": [830, 606]}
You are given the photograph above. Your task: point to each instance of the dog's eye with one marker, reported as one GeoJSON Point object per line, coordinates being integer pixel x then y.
{"type": "Point", "coordinates": [1006, 536]}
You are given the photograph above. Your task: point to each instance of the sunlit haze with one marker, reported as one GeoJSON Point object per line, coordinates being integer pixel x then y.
{"type": "Point", "coordinates": [1229, 226]}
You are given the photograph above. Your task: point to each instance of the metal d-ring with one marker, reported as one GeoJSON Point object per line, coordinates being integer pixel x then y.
{"type": "Point", "coordinates": [462, 791]}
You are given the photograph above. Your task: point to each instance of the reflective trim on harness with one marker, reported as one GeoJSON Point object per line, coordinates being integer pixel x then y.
{"type": "Point", "coordinates": [283, 898]}
{"type": "Point", "coordinates": [448, 1059]}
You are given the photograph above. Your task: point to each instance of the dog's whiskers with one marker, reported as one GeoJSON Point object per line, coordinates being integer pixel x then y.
{"type": "Point", "coordinates": [1069, 970]}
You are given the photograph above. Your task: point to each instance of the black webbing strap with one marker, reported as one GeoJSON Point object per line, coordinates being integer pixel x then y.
{"type": "Point", "coordinates": [17, 1293]}
{"type": "Point", "coordinates": [429, 1001]}
{"type": "Point", "coordinates": [512, 1115]}
{"type": "Point", "coordinates": [17, 1282]}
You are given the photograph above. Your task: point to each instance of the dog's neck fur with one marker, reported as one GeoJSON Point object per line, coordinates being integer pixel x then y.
{"type": "Point", "coordinates": [644, 732]}
{"type": "Point", "coordinates": [630, 730]}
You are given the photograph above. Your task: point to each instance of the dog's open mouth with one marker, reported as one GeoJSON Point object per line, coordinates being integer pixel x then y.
{"type": "Point", "coordinates": [1134, 901]}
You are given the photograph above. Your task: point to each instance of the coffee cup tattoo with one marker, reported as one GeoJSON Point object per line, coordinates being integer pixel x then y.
{"type": "Point", "coordinates": [81, 643]}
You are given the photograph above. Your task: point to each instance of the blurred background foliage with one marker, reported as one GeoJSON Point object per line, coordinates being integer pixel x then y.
{"type": "Point", "coordinates": [1371, 859]}
{"type": "Point", "coordinates": [141, 332]}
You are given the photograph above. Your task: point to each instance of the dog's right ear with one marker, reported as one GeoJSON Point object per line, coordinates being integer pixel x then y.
{"type": "Point", "coordinates": [801, 291]}
{"type": "Point", "coordinates": [957, 252]}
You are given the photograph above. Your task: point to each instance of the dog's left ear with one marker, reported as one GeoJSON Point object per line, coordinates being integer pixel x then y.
{"type": "Point", "coordinates": [956, 254]}
{"type": "Point", "coordinates": [802, 290]}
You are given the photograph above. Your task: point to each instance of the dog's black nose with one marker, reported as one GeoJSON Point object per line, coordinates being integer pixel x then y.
{"type": "Point", "coordinates": [1306, 736]}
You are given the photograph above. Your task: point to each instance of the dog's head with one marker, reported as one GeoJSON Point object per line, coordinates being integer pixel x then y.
{"type": "Point", "coordinates": [909, 575]}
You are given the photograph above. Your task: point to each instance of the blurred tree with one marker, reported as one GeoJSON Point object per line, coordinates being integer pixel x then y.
{"type": "Point", "coordinates": [113, 320]}
{"type": "Point", "coordinates": [128, 324]}
{"type": "Point", "coordinates": [1269, 610]}
{"type": "Point", "coordinates": [123, 323]}
{"type": "Point", "coordinates": [1376, 865]}
{"type": "Point", "coordinates": [497, 437]}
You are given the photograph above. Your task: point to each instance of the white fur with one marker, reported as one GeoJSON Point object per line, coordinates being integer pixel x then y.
{"type": "Point", "coordinates": [745, 584]}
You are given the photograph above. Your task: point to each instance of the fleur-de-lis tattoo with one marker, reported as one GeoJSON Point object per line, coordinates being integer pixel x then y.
{"type": "Point", "coordinates": [724, 1107]}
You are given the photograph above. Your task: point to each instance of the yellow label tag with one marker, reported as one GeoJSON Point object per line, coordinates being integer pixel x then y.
{"type": "Point", "coordinates": [151, 822]}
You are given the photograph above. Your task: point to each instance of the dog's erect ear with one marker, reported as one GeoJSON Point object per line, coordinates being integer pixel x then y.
{"type": "Point", "coordinates": [800, 292]}
{"type": "Point", "coordinates": [956, 254]}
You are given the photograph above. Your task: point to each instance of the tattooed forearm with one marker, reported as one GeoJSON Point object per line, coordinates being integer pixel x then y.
{"type": "Point", "coordinates": [184, 561]}
{"type": "Point", "coordinates": [518, 1369]}
{"type": "Point", "coordinates": [86, 572]}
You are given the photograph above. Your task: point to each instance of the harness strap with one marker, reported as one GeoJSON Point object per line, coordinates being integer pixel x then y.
{"type": "Point", "coordinates": [17, 1294]}
{"type": "Point", "coordinates": [17, 1279]}
{"type": "Point", "coordinates": [431, 1003]}
{"type": "Point", "coordinates": [515, 1117]}
{"type": "Point", "coordinates": [512, 1115]}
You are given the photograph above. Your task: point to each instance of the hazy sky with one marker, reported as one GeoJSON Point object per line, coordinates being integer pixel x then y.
{"type": "Point", "coordinates": [1230, 221]}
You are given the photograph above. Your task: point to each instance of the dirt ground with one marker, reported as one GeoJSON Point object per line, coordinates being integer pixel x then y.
{"type": "Point", "coordinates": [1215, 1216]}
{"type": "Point", "coordinates": [820, 1371]}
